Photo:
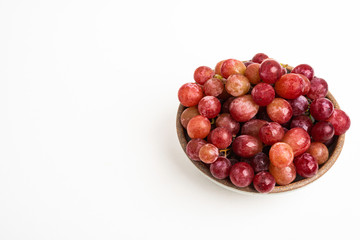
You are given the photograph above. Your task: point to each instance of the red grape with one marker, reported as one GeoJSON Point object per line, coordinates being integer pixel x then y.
{"type": "Point", "coordinates": [202, 74]}
{"type": "Point", "coordinates": [299, 105]}
{"type": "Point", "coordinates": [188, 114]}
{"type": "Point", "coordinates": [262, 114]}
{"type": "Point", "coordinates": [264, 182]}
{"type": "Point", "coordinates": [322, 131]}
{"type": "Point", "coordinates": [260, 162]}
{"type": "Point", "coordinates": [306, 83]}
{"type": "Point", "coordinates": [270, 71]}
{"type": "Point", "coordinates": [319, 151]}
{"type": "Point", "coordinates": [193, 148]}
{"type": "Point", "coordinates": [208, 153]}
{"type": "Point", "coordinates": [330, 142]}
{"type": "Point", "coordinates": [283, 70]}
{"type": "Point", "coordinates": [232, 66]}
{"type": "Point", "coordinates": [259, 58]}
{"type": "Point", "coordinates": [209, 106]}
{"type": "Point", "coordinates": [340, 120]}
{"type": "Point", "coordinates": [225, 120]}
{"type": "Point", "coordinates": [289, 86]}
{"type": "Point", "coordinates": [252, 73]}
{"type": "Point", "coordinates": [221, 137]}
{"type": "Point", "coordinates": [252, 127]}
{"type": "Point", "coordinates": [263, 94]}
{"type": "Point", "coordinates": [318, 88]}
{"type": "Point", "coordinates": [303, 122]}
{"type": "Point", "coordinates": [224, 95]}
{"type": "Point", "coordinates": [218, 67]}
{"type": "Point", "coordinates": [237, 85]}
{"type": "Point", "coordinates": [220, 169]}
{"type": "Point", "coordinates": [226, 105]}
{"type": "Point", "coordinates": [190, 94]}
{"type": "Point", "coordinates": [304, 69]}
{"type": "Point", "coordinates": [283, 176]}
{"type": "Point", "coordinates": [248, 63]}
{"type": "Point", "coordinates": [298, 139]}
{"type": "Point", "coordinates": [243, 108]}
{"type": "Point", "coordinates": [271, 133]}
{"type": "Point", "coordinates": [321, 109]}
{"type": "Point", "coordinates": [279, 110]}
{"type": "Point", "coordinates": [241, 174]}
{"type": "Point", "coordinates": [198, 127]}
{"type": "Point", "coordinates": [213, 87]}
{"type": "Point", "coordinates": [281, 154]}
{"type": "Point", "coordinates": [246, 146]}
{"type": "Point", "coordinates": [306, 166]}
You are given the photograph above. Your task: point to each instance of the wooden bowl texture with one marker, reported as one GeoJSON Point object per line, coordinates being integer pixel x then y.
{"type": "Point", "coordinates": [334, 152]}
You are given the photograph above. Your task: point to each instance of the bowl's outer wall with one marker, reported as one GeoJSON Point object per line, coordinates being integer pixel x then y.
{"type": "Point", "coordinates": [334, 154]}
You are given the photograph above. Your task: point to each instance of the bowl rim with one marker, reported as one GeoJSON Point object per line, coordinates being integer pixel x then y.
{"type": "Point", "coordinates": [204, 169]}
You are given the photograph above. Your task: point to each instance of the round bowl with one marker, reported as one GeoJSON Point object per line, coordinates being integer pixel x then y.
{"type": "Point", "coordinates": [334, 152]}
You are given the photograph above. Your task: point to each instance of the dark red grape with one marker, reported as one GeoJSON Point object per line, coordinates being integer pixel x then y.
{"type": "Point", "coordinates": [299, 105]}
{"type": "Point", "coordinates": [318, 88]}
{"type": "Point", "coordinates": [303, 122]}
{"type": "Point", "coordinates": [202, 74]}
{"type": "Point", "coordinates": [283, 70]}
{"type": "Point", "coordinates": [259, 58]}
{"type": "Point", "coordinates": [319, 151]}
{"type": "Point", "coordinates": [246, 146]}
{"type": "Point", "coordinates": [232, 66]}
{"type": "Point", "coordinates": [209, 106]}
{"type": "Point", "coordinates": [279, 110]}
{"type": "Point", "coordinates": [289, 86]}
{"type": "Point", "coordinates": [271, 133]}
{"type": "Point", "coordinates": [281, 154]}
{"type": "Point", "coordinates": [241, 174]}
{"type": "Point", "coordinates": [198, 127]}
{"type": "Point", "coordinates": [270, 71]}
{"type": "Point", "coordinates": [225, 120]}
{"type": "Point", "coordinates": [306, 166]}
{"type": "Point", "coordinates": [340, 120]}
{"type": "Point", "coordinates": [218, 67]}
{"type": "Point", "coordinates": [248, 63]}
{"type": "Point", "coordinates": [188, 114]}
{"type": "Point", "coordinates": [208, 153]}
{"type": "Point", "coordinates": [213, 87]}
{"type": "Point", "coordinates": [264, 182]}
{"type": "Point", "coordinates": [321, 109]}
{"type": "Point", "coordinates": [237, 85]}
{"type": "Point", "coordinates": [322, 131]}
{"type": "Point", "coordinates": [226, 106]}
{"type": "Point", "coordinates": [193, 148]}
{"type": "Point", "coordinates": [190, 94]}
{"type": "Point", "coordinates": [260, 162]}
{"type": "Point", "coordinates": [304, 69]}
{"type": "Point", "coordinates": [298, 139]}
{"type": "Point", "coordinates": [330, 142]}
{"type": "Point", "coordinates": [221, 137]}
{"type": "Point", "coordinates": [220, 169]}
{"type": "Point", "coordinates": [283, 176]}
{"type": "Point", "coordinates": [243, 108]}
{"type": "Point", "coordinates": [252, 73]}
{"type": "Point", "coordinates": [252, 127]}
{"type": "Point", "coordinates": [262, 114]}
{"type": "Point", "coordinates": [263, 94]}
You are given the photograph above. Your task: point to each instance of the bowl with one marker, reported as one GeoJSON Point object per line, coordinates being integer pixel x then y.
{"type": "Point", "coordinates": [334, 152]}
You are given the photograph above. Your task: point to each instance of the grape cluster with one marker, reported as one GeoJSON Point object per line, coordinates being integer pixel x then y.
{"type": "Point", "coordinates": [259, 124]}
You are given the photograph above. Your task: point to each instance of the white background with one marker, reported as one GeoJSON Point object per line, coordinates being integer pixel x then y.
{"type": "Point", "coordinates": [88, 97]}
